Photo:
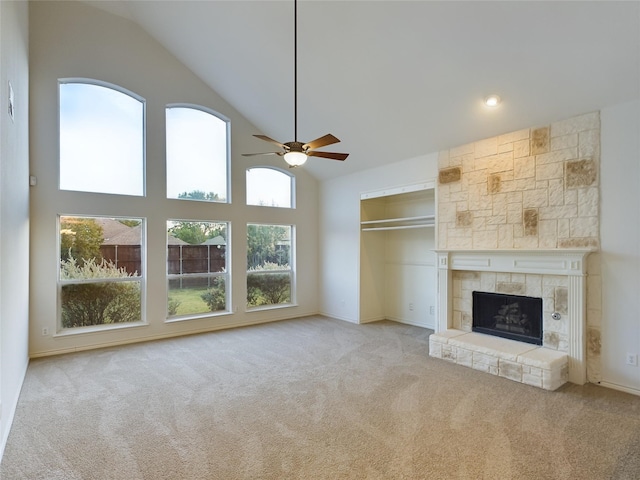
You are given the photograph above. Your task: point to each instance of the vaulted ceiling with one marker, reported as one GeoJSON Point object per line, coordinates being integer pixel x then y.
{"type": "Point", "coordinates": [395, 79]}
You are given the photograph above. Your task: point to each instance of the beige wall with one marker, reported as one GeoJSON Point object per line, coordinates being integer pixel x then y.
{"type": "Point", "coordinates": [73, 39]}
{"type": "Point", "coordinates": [14, 209]}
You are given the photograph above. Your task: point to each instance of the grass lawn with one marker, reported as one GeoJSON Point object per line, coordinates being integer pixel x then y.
{"type": "Point", "coordinates": [190, 300]}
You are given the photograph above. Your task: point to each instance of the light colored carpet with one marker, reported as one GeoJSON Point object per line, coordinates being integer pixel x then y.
{"type": "Point", "coordinates": [312, 398]}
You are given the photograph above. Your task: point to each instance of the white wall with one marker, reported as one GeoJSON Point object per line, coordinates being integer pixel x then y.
{"type": "Point", "coordinates": [340, 229]}
{"type": "Point", "coordinates": [620, 240]}
{"type": "Point", "coordinates": [14, 209]}
{"type": "Point", "coordinates": [73, 39]}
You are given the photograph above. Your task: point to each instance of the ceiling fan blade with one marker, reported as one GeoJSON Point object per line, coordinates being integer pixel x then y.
{"type": "Point", "coordinates": [331, 155]}
{"type": "Point", "coordinates": [268, 139]}
{"type": "Point", "coordinates": [328, 139]}
{"type": "Point", "coordinates": [265, 153]}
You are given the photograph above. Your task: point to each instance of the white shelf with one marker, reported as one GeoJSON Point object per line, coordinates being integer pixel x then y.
{"type": "Point", "coordinates": [422, 221]}
{"type": "Point", "coordinates": [400, 220]}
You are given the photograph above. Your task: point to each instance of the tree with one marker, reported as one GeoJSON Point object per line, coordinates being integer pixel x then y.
{"type": "Point", "coordinates": [267, 244]}
{"type": "Point", "coordinates": [80, 238]}
{"type": "Point", "coordinates": [195, 233]}
{"type": "Point", "coordinates": [200, 195]}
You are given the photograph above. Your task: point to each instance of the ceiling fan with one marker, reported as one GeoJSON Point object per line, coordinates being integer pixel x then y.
{"type": "Point", "coordinates": [296, 153]}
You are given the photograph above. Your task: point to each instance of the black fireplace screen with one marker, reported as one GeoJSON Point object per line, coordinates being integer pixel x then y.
{"type": "Point", "coordinates": [510, 316]}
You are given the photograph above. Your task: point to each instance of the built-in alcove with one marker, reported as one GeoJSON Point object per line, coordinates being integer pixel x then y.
{"type": "Point", "coordinates": [397, 263]}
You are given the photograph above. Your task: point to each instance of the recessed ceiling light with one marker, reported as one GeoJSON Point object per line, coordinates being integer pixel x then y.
{"type": "Point", "coordinates": [492, 101]}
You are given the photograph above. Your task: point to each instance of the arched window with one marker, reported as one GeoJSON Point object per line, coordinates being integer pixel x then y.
{"type": "Point", "coordinates": [197, 154]}
{"type": "Point", "coordinates": [269, 187]}
{"type": "Point", "coordinates": [101, 138]}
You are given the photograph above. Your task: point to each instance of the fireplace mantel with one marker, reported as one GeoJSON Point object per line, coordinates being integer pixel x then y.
{"type": "Point", "coordinates": [551, 262]}
{"type": "Point", "coordinates": [567, 262]}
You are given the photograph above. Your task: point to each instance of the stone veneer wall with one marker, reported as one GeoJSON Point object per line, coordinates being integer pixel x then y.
{"type": "Point", "coordinates": [529, 189]}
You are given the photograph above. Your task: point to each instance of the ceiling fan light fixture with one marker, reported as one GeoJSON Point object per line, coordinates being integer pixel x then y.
{"type": "Point", "coordinates": [295, 159]}
{"type": "Point", "coordinates": [492, 100]}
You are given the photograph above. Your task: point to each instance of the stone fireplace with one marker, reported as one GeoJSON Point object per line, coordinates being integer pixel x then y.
{"type": "Point", "coordinates": [557, 277]}
{"type": "Point", "coordinates": [518, 214]}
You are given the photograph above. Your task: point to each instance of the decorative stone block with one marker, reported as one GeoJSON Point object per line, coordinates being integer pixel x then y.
{"type": "Point", "coordinates": [435, 348]}
{"type": "Point", "coordinates": [521, 148]}
{"type": "Point", "coordinates": [485, 148]}
{"type": "Point", "coordinates": [583, 227]}
{"type": "Point", "coordinates": [581, 173]}
{"type": "Point", "coordinates": [510, 370]}
{"type": "Point", "coordinates": [549, 171]}
{"type": "Point", "coordinates": [588, 200]}
{"type": "Point", "coordinates": [540, 140]}
{"type": "Point", "coordinates": [464, 357]}
{"type": "Point", "coordinates": [510, 288]}
{"type": "Point", "coordinates": [513, 136]}
{"type": "Point", "coordinates": [557, 156]}
{"type": "Point", "coordinates": [535, 198]}
{"type": "Point", "coordinates": [594, 342]}
{"type": "Point", "coordinates": [588, 121]}
{"type": "Point", "coordinates": [449, 175]}
{"type": "Point", "coordinates": [561, 299]}
{"type": "Point", "coordinates": [531, 221]}
{"type": "Point", "coordinates": [566, 141]}
{"type": "Point", "coordinates": [464, 219]}
{"type": "Point", "coordinates": [533, 380]}
{"type": "Point", "coordinates": [494, 183]}
{"type": "Point", "coordinates": [589, 144]}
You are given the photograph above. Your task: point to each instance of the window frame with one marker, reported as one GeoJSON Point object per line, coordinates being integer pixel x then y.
{"type": "Point", "coordinates": [227, 122]}
{"type": "Point", "coordinates": [141, 278]}
{"type": "Point", "coordinates": [120, 89]}
{"type": "Point", "coordinates": [292, 186]}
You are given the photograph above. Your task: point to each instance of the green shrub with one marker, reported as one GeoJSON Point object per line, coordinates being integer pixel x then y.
{"type": "Point", "coordinates": [216, 297]}
{"type": "Point", "coordinates": [268, 289]}
{"type": "Point", "coordinates": [172, 306]}
{"type": "Point", "coordinates": [98, 303]}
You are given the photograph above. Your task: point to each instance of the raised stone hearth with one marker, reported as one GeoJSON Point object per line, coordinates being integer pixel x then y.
{"type": "Point", "coordinates": [557, 276]}
{"type": "Point", "coordinates": [522, 362]}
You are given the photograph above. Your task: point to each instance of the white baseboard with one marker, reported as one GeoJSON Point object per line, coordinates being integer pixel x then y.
{"type": "Point", "coordinates": [12, 413]}
{"type": "Point", "coordinates": [632, 391]}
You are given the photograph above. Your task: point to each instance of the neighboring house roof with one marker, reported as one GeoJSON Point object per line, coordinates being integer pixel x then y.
{"type": "Point", "coordinates": [112, 229]}
{"type": "Point", "coordinates": [130, 236]}
{"type": "Point", "coordinates": [171, 240]}
{"type": "Point", "coordinates": [219, 240]}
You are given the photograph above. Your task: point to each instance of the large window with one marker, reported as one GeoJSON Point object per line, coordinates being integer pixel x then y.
{"type": "Point", "coordinates": [101, 139]}
{"type": "Point", "coordinates": [197, 154]}
{"type": "Point", "coordinates": [269, 187]}
{"type": "Point", "coordinates": [269, 262]}
{"type": "Point", "coordinates": [101, 270]}
{"type": "Point", "coordinates": [197, 268]}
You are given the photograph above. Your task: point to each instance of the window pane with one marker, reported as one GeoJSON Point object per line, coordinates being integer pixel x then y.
{"type": "Point", "coordinates": [268, 289]}
{"type": "Point", "coordinates": [268, 247]}
{"type": "Point", "coordinates": [197, 155]}
{"type": "Point", "coordinates": [102, 303]}
{"type": "Point", "coordinates": [100, 247]}
{"type": "Point", "coordinates": [196, 267]}
{"type": "Point", "coordinates": [189, 295]}
{"type": "Point", "coordinates": [268, 187]}
{"type": "Point", "coordinates": [269, 279]}
{"type": "Point", "coordinates": [101, 140]}
{"type": "Point", "coordinates": [100, 270]}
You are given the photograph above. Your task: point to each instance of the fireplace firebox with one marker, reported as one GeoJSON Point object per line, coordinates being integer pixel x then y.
{"type": "Point", "coordinates": [516, 317]}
